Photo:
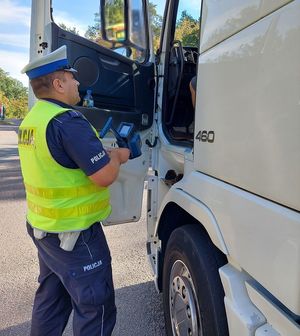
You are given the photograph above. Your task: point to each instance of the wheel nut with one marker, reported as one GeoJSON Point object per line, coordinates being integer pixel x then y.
{"type": "Point", "coordinates": [188, 311]}
{"type": "Point", "coordinates": [183, 292]}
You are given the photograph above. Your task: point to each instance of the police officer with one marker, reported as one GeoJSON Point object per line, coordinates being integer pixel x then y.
{"type": "Point", "coordinates": [67, 197]}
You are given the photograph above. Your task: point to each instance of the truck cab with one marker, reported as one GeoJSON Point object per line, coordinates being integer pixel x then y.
{"type": "Point", "coordinates": [222, 175]}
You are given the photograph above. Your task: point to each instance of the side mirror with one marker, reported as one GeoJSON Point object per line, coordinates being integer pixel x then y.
{"type": "Point", "coordinates": [113, 20]}
{"type": "Point", "coordinates": [124, 22]}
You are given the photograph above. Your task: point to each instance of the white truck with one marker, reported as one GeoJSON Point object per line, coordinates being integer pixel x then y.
{"type": "Point", "coordinates": [223, 179]}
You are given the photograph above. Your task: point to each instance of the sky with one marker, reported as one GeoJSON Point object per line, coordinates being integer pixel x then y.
{"type": "Point", "coordinates": [15, 27]}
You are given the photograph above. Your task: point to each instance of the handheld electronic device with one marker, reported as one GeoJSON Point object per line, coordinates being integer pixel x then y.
{"type": "Point", "coordinates": [126, 137]}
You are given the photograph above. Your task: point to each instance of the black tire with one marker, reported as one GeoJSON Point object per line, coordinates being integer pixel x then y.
{"type": "Point", "coordinates": [196, 290]}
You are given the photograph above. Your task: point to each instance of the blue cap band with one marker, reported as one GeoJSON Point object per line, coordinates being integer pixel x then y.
{"type": "Point", "coordinates": [47, 68]}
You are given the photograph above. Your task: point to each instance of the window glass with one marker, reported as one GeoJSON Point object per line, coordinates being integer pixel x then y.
{"type": "Point", "coordinates": [83, 18]}
{"type": "Point", "coordinates": [188, 23]}
{"type": "Point", "coordinates": [78, 17]}
{"type": "Point", "coordinates": [156, 13]}
{"type": "Point", "coordinates": [137, 31]}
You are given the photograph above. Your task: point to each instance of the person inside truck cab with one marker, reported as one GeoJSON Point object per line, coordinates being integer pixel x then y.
{"type": "Point", "coordinates": [66, 174]}
{"type": "Point", "coordinates": [193, 84]}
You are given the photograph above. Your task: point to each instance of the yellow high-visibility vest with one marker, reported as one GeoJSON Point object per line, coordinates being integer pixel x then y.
{"type": "Point", "coordinates": [59, 199]}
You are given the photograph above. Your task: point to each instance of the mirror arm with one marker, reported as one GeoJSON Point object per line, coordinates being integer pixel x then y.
{"type": "Point", "coordinates": [102, 20]}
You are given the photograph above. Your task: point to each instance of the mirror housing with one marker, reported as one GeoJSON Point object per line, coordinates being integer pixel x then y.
{"type": "Point", "coordinates": [114, 20]}
{"type": "Point", "coordinates": [124, 22]}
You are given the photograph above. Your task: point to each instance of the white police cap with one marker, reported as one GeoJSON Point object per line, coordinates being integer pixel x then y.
{"type": "Point", "coordinates": [55, 61]}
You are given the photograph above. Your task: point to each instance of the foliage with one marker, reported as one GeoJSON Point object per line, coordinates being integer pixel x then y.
{"type": "Point", "coordinates": [94, 33]}
{"type": "Point", "coordinates": [69, 29]}
{"type": "Point", "coordinates": [13, 95]}
{"type": "Point", "coordinates": [187, 30]}
{"type": "Point", "coordinates": [11, 88]}
{"type": "Point", "coordinates": [156, 25]}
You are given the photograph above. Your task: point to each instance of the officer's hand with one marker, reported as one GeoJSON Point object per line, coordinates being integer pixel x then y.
{"type": "Point", "coordinates": [123, 154]}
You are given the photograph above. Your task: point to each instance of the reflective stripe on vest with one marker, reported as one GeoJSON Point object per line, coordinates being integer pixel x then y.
{"type": "Point", "coordinates": [73, 212]}
{"type": "Point", "coordinates": [52, 193]}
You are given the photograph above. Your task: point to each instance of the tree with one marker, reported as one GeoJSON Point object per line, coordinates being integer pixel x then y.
{"type": "Point", "coordinates": [94, 33]}
{"type": "Point", "coordinates": [13, 95]}
{"type": "Point", "coordinates": [12, 88]}
{"type": "Point", "coordinates": [156, 25]}
{"type": "Point", "coordinates": [71, 30]}
{"type": "Point", "coordinates": [187, 30]}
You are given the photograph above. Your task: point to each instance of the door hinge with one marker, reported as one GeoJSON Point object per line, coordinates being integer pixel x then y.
{"type": "Point", "coordinates": [147, 142]}
{"type": "Point", "coordinates": [44, 45]}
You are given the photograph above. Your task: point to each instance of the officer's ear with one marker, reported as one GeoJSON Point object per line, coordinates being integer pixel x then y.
{"type": "Point", "coordinates": [57, 85]}
{"type": "Point", "coordinates": [58, 82]}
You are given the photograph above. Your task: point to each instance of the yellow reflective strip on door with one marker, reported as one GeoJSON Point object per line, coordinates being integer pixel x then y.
{"type": "Point", "coordinates": [68, 212]}
{"type": "Point", "coordinates": [52, 193]}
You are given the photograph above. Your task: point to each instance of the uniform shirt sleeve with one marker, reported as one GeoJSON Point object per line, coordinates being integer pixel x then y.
{"type": "Point", "coordinates": [73, 143]}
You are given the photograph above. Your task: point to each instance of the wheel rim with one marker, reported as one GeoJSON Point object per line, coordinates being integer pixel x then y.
{"type": "Point", "coordinates": [183, 303]}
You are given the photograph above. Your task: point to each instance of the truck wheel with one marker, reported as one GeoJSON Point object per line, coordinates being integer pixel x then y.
{"type": "Point", "coordinates": [193, 295]}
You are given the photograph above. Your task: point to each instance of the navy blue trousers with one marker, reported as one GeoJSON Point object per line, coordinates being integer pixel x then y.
{"type": "Point", "coordinates": [80, 280]}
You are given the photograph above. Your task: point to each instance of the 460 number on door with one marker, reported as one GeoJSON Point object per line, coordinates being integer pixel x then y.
{"type": "Point", "coordinates": [206, 136]}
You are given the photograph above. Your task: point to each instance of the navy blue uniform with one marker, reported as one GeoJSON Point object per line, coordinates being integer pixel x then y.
{"type": "Point", "coordinates": [72, 142]}
{"type": "Point", "coordinates": [80, 280]}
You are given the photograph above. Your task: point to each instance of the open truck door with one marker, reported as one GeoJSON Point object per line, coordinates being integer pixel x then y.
{"type": "Point", "coordinates": [121, 77]}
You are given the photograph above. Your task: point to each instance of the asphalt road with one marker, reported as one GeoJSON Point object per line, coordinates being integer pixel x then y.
{"type": "Point", "coordinates": [139, 305]}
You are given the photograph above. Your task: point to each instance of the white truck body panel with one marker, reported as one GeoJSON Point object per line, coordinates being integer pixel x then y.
{"type": "Point", "coordinates": [253, 234]}
{"type": "Point", "coordinates": [198, 210]}
{"type": "Point", "coordinates": [278, 322]}
{"type": "Point", "coordinates": [249, 94]}
{"type": "Point", "coordinates": [221, 19]}
{"type": "Point", "coordinates": [243, 316]}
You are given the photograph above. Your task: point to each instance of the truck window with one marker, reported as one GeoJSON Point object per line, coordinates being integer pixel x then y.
{"type": "Point", "coordinates": [181, 89]}
{"type": "Point", "coordinates": [83, 18]}
{"type": "Point", "coordinates": [156, 13]}
{"type": "Point", "coordinates": [188, 27]}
